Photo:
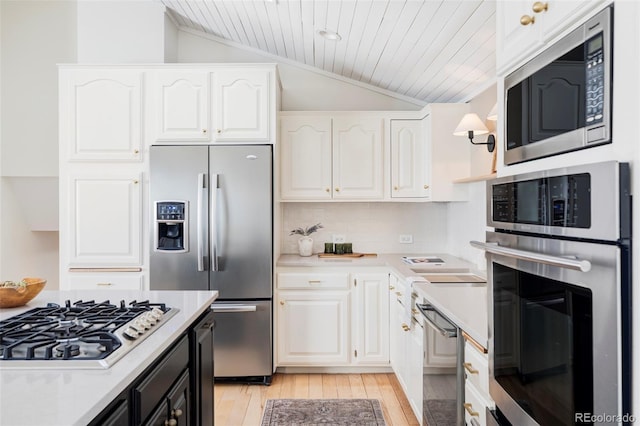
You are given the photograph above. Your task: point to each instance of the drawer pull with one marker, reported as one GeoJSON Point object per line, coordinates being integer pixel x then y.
{"type": "Point", "coordinates": [104, 284]}
{"type": "Point", "coordinates": [540, 7]}
{"type": "Point", "coordinates": [469, 408]}
{"type": "Point", "coordinates": [405, 327]}
{"type": "Point", "coordinates": [391, 287]}
{"type": "Point", "coordinates": [527, 20]}
{"type": "Point", "coordinates": [315, 281]}
{"type": "Point", "coordinates": [398, 294]}
{"type": "Point", "coordinates": [469, 368]}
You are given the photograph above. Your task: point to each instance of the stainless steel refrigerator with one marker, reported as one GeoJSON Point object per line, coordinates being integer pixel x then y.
{"type": "Point", "coordinates": [212, 229]}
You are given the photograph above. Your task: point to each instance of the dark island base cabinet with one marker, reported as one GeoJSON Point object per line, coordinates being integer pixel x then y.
{"type": "Point", "coordinates": [176, 390]}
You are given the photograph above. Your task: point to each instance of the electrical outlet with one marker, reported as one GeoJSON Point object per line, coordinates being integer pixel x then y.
{"type": "Point", "coordinates": [405, 239]}
{"type": "Point", "coordinates": [339, 238]}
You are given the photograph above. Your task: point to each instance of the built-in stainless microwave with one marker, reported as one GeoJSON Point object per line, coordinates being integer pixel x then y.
{"type": "Point", "coordinates": [560, 101]}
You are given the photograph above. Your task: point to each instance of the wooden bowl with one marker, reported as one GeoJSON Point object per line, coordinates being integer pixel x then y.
{"type": "Point", "coordinates": [11, 297]}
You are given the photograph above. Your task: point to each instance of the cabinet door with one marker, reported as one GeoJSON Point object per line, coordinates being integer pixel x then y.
{"type": "Point", "coordinates": [179, 401]}
{"type": "Point", "coordinates": [371, 319]}
{"type": "Point", "coordinates": [415, 352]}
{"type": "Point", "coordinates": [357, 158]}
{"type": "Point", "coordinates": [562, 14]}
{"type": "Point", "coordinates": [160, 416]}
{"type": "Point", "coordinates": [181, 105]}
{"type": "Point", "coordinates": [313, 328]}
{"type": "Point", "coordinates": [305, 169]}
{"type": "Point", "coordinates": [101, 115]}
{"type": "Point", "coordinates": [395, 326]}
{"type": "Point", "coordinates": [242, 105]}
{"type": "Point", "coordinates": [409, 167]}
{"type": "Point", "coordinates": [105, 219]}
{"type": "Point", "coordinates": [514, 40]}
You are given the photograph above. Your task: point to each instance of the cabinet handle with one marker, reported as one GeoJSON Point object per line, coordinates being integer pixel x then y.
{"type": "Point", "coordinates": [469, 367]}
{"type": "Point", "coordinates": [398, 294]}
{"type": "Point", "coordinates": [405, 327]}
{"type": "Point", "coordinates": [414, 311]}
{"type": "Point", "coordinates": [526, 20]}
{"type": "Point", "coordinates": [315, 282]}
{"type": "Point", "coordinates": [391, 287]}
{"type": "Point", "coordinates": [426, 187]}
{"type": "Point", "coordinates": [104, 284]}
{"type": "Point", "coordinates": [540, 7]}
{"type": "Point", "coordinates": [337, 189]}
{"type": "Point", "coordinates": [468, 407]}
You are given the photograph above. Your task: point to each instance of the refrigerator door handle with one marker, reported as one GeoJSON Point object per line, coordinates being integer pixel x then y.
{"type": "Point", "coordinates": [214, 222]}
{"type": "Point", "coordinates": [233, 308]}
{"type": "Point", "coordinates": [201, 190]}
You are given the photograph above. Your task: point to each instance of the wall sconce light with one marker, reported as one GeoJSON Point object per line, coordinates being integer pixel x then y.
{"type": "Point", "coordinates": [471, 125]}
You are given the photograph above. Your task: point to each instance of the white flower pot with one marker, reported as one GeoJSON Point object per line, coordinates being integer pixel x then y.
{"type": "Point", "coordinates": [305, 246]}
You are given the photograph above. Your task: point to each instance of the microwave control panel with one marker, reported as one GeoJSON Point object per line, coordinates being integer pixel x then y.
{"type": "Point", "coordinates": [595, 80]}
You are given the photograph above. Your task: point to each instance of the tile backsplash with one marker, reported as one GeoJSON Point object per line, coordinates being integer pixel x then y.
{"type": "Point", "coordinates": [371, 227]}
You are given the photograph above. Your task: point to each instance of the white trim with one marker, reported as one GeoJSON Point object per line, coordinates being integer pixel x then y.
{"type": "Point", "coordinates": [305, 67]}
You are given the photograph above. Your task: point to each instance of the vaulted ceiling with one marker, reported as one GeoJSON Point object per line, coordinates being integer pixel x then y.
{"type": "Point", "coordinates": [429, 50]}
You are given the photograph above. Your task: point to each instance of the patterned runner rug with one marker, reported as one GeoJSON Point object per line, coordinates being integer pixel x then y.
{"type": "Point", "coordinates": [334, 412]}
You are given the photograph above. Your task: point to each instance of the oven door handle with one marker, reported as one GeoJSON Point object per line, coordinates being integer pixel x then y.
{"type": "Point", "coordinates": [562, 262]}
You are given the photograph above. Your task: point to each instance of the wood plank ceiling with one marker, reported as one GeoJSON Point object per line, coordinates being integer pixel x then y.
{"type": "Point", "coordinates": [429, 50]}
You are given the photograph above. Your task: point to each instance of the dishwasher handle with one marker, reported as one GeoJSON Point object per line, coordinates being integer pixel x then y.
{"type": "Point", "coordinates": [428, 310]}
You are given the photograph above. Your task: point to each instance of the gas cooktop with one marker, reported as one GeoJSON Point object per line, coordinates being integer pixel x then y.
{"type": "Point", "coordinates": [83, 334]}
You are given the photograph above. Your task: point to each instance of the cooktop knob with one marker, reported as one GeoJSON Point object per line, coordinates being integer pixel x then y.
{"type": "Point", "coordinates": [142, 324]}
{"type": "Point", "coordinates": [131, 333]}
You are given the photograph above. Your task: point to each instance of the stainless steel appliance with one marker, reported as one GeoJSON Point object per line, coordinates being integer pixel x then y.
{"type": "Point", "coordinates": [560, 101]}
{"type": "Point", "coordinates": [559, 277]}
{"type": "Point", "coordinates": [442, 388]}
{"type": "Point", "coordinates": [82, 335]}
{"type": "Point", "coordinates": [213, 230]}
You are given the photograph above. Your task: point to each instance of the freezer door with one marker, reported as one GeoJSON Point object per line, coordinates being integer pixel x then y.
{"type": "Point", "coordinates": [243, 333]}
{"type": "Point", "coordinates": [178, 177]}
{"type": "Point", "coordinates": [241, 222]}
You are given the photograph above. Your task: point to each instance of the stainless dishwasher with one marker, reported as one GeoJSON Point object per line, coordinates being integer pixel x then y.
{"type": "Point", "coordinates": [442, 387]}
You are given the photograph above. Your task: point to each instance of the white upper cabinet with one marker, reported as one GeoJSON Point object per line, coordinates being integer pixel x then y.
{"type": "Point", "coordinates": [242, 105]}
{"type": "Point", "coordinates": [409, 166]}
{"type": "Point", "coordinates": [357, 158]}
{"type": "Point", "coordinates": [523, 27]}
{"type": "Point", "coordinates": [101, 115]}
{"type": "Point", "coordinates": [305, 149]}
{"type": "Point", "coordinates": [325, 157]}
{"type": "Point", "coordinates": [182, 104]}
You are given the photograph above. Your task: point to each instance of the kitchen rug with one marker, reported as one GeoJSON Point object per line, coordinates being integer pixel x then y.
{"type": "Point", "coordinates": [334, 412]}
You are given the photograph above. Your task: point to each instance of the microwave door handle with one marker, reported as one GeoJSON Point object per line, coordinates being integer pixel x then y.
{"type": "Point", "coordinates": [199, 227]}
{"type": "Point", "coordinates": [562, 262]}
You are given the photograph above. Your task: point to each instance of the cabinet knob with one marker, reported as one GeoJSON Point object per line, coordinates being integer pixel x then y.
{"type": "Point", "coordinates": [176, 413]}
{"type": "Point", "coordinates": [219, 131]}
{"type": "Point", "coordinates": [135, 151]}
{"type": "Point", "coordinates": [540, 7]}
{"type": "Point", "coordinates": [395, 188]}
{"type": "Point", "coordinates": [328, 190]}
{"type": "Point", "coordinates": [204, 131]}
{"type": "Point", "coordinates": [426, 187]}
{"type": "Point", "coordinates": [526, 20]}
{"type": "Point", "coordinates": [172, 422]}
{"type": "Point", "coordinates": [337, 189]}
{"type": "Point", "coordinates": [405, 327]}
{"type": "Point", "coordinates": [391, 287]}
{"type": "Point", "coordinates": [282, 302]}
{"type": "Point", "coordinates": [135, 181]}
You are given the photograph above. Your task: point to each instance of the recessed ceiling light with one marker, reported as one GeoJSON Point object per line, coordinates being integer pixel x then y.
{"type": "Point", "coordinates": [330, 35]}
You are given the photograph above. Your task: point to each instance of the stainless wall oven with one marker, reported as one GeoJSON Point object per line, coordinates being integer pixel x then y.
{"type": "Point", "coordinates": [559, 279]}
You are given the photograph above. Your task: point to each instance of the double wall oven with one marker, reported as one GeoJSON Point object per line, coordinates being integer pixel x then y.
{"type": "Point", "coordinates": [560, 296]}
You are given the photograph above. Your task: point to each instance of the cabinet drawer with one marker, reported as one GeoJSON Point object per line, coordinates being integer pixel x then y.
{"type": "Point", "coordinates": [105, 281]}
{"type": "Point", "coordinates": [336, 280]}
{"type": "Point", "coordinates": [475, 406]}
{"type": "Point", "coordinates": [153, 389]}
{"type": "Point", "coordinates": [476, 368]}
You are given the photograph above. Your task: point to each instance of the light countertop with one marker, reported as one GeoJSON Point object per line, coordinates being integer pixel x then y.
{"type": "Point", "coordinates": [76, 396]}
{"type": "Point", "coordinates": [463, 303]}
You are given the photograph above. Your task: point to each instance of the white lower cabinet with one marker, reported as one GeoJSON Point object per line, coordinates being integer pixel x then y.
{"type": "Point", "coordinates": [476, 385]}
{"type": "Point", "coordinates": [331, 318]}
{"type": "Point", "coordinates": [106, 280]}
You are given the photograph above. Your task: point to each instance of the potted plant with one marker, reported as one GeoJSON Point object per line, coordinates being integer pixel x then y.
{"type": "Point", "coordinates": [305, 242]}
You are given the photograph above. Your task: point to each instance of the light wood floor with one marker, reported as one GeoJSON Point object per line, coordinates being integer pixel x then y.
{"type": "Point", "coordinates": [242, 405]}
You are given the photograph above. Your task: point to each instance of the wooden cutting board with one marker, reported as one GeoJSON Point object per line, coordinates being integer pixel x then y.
{"type": "Point", "coordinates": [346, 255]}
